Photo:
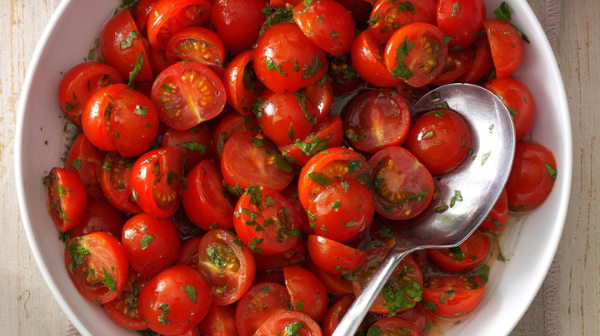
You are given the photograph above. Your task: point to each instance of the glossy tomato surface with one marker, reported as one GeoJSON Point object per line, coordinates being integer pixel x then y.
{"type": "Point", "coordinates": [66, 198]}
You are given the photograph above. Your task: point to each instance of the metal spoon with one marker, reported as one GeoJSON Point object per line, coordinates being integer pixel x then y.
{"type": "Point", "coordinates": [479, 180]}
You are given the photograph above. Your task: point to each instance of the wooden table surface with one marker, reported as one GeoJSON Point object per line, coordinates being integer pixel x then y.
{"type": "Point", "coordinates": [28, 308]}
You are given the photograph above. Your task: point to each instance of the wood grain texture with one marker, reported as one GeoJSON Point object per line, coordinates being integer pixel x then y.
{"type": "Point", "coordinates": [28, 308]}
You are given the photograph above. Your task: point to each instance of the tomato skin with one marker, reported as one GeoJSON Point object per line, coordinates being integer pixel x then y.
{"type": "Point", "coordinates": [307, 293]}
{"type": "Point", "coordinates": [389, 16]}
{"type": "Point", "coordinates": [107, 256]}
{"type": "Point", "coordinates": [320, 95]}
{"type": "Point", "coordinates": [391, 326]}
{"type": "Point", "coordinates": [506, 46]}
{"type": "Point", "coordinates": [124, 309]}
{"type": "Point", "coordinates": [117, 118]}
{"type": "Point", "coordinates": [80, 82]}
{"type": "Point", "coordinates": [420, 319]}
{"type": "Point", "coordinates": [196, 44]}
{"type": "Point", "coordinates": [235, 22]}
{"type": "Point", "coordinates": [482, 65]}
{"type": "Point", "coordinates": [326, 134]}
{"type": "Point", "coordinates": [440, 140]}
{"type": "Point", "coordinates": [457, 64]}
{"type": "Point", "coordinates": [99, 216]}
{"type": "Point", "coordinates": [291, 194]}
{"type": "Point", "coordinates": [466, 257]}
{"type": "Point", "coordinates": [276, 54]}
{"type": "Point", "coordinates": [334, 315]}
{"type": "Point", "coordinates": [241, 84]}
{"type": "Point", "coordinates": [142, 11]}
{"type": "Point", "coordinates": [277, 325]}
{"type": "Point", "coordinates": [220, 321]}
{"type": "Point", "coordinates": [260, 302]}
{"type": "Point", "coordinates": [296, 254]}
{"type": "Point", "coordinates": [121, 44]}
{"type": "Point", "coordinates": [497, 218]}
{"type": "Point", "coordinates": [156, 180]}
{"type": "Point", "coordinates": [462, 20]}
{"type": "Point", "coordinates": [115, 182]}
{"type": "Point", "coordinates": [188, 254]}
{"type": "Point", "coordinates": [337, 285]}
{"type": "Point", "coordinates": [229, 125]}
{"type": "Point", "coordinates": [333, 257]}
{"type": "Point", "coordinates": [459, 293]}
{"type": "Point", "coordinates": [532, 177]}
{"type": "Point", "coordinates": [368, 60]}
{"type": "Point", "coordinates": [519, 101]}
{"type": "Point", "coordinates": [169, 16]}
{"type": "Point", "coordinates": [193, 144]}
{"type": "Point", "coordinates": [335, 30]}
{"type": "Point", "coordinates": [66, 198]}
{"type": "Point", "coordinates": [167, 298]}
{"type": "Point", "coordinates": [85, 160]}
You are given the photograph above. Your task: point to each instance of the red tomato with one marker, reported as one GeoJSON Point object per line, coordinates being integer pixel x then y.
{"type": "Point", "coordinates": [66, 198]}
{"type": "Point", "coordinates": [392, 326]}
{"type": "Point", "coordinates": [97, 265]}
{"type": "Point", "coordinates": [265, 221]}
{"type": "Point", "coordinates": [457, 64]}
{"type": "Point", "coordinates": [241, 84]}
{"type": "Point", "coordinates": [466, 257]}
{"type": "Point", "coordinates": [80, 82]}
{"type": "Point", "coordinates": [175, 300]}
{"type": "Point", "coordinates": [294, 255]}
{"type": "Point", "coordinates": [187, 94]}
{"type": "Point", "coordinates": [151, 244]}
{"type": "Point", "coordinates": [235, 22]}
{"type": "Point", "coordinates": [482, 65]}
{"type": "Point", "coordinates": [461, 20]}
{"type": "Point", "coordinates": [124, 309]}
{"type": "Point", "coordinates": [333, 257]}
{"type": "Point", "coordinates": [99, 216]}
{"type": "Point", "coordinates": [403, 289]}
{"type": "Point", "coordinates": [284, 322]}
{"type": "Point", "coordinates": [186, 228]}
{"type": "Point", "coordinates": [142, 11]}
{"type": "Point", "coordinates": [377, 119]}
{"type": "Point", "coordinates": [115, 182]}
{"type": "Point", "coordinates": [416, 53]}
{"type": "Point", "coordinates": [337, 285]}
{"type": "Point", "coordinates": [196, 44]}
{"type": "Point", "coordinates": [156, 180]}
{"type": "Point", "coordinates": [283, 3]}
{"type": "Point", "coordinates": [411, 94]}
{"type": "Point", "coordinates": [380, 235]}
{"type": "Point", "coordinates": [402, 186]}
{"type": "Point", "coordinates": [250, 159]}
{"type": "Point", "coordinates": [518, 100]}
{"type": "Point", "coordinates": [334, 316]}
{"type": "Point", "coordinates": [220, 321]}
{"type": "Point", "coordinates": [388, 16]}
{"type": "Point", "coordinates": [453, 295]}
{"type": "Point", "coordinates": [122, 47]}
{"type": "Point", "coordinates": [497, 218]}
{"type": "Point", "coordinates": [307, 293]}
{"type": "Point", "coordinates": [261, 302]}
{"type": "Point", "coordinates": [360, 9]}
{"type": "Point", "coordinates": [335, 29]}
{"type": "Point", "coordinates": [320, 95]}
{"type": "Point", "coordinates": [285, 60]}
{"type": "Point", "coordinates": [86, 161]}
{"type": "Point", "coordinates": [506, 46]}
{"type": "Point", "coordinates": [532, 177]}
{"type": "Point", "coordinates": [420, 319]}
{"type": "Point", "coordinates": [291, 194]}
{"type": "Point", "coordinates": [275, 276]}
{"type": "Point", "coordinates": [440, 140]}
{"type": "Point", "coordinates": [189, 252]}
{"type": "Point", "coordinates": [170, 16]}
{"type": "Point", "coordinates": [158, 62]}
{"type": "Point", "coordinates": [368, 60]}
{"type": "Point", "coordinates": [326, 134]}
{"type": "Point", "coordinates": [344, 79]}
{"type": "Point", "coordinates": [229, 125]}
{"type": "Point", "coordinates": [194, 144]}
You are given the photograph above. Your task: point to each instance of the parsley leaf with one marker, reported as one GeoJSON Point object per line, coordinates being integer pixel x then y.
{"type": "Point", "coordinates": [137, 68]}
{"type": "Point", "coordinates": [191, 292]}
{"type": "Point", "coordinates": [401, 70]}
{"type": "Point", "coordinates": [146, 240]}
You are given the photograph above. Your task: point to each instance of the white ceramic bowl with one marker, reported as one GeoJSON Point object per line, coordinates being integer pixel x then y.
{"type": "Point", "coordinates": [530, 243]}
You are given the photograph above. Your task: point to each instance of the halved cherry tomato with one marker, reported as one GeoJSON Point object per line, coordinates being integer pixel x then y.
{"type": "Point", "coordinates": [402, 186]}
{"type": "Point", "coordinates": [220, 321]}
{"type": "Point", "coordinates": [411, 94]}
{"type": "Point", "coordinates": [80, 82]}
{"type": "Point", "coordinates": [506, 46]}
{"type": "Point", "coordinates": [265, 221]}
{"type": "Point", "coordinates": [115, 180]}
{"type": "Point", "coordinates": [380, 235]}
{"type": "Point", "coordinates": [461, 20]}
{"type": "Point", "coordinates": [453, 295]}
{"type": "Point", "coordinates": [97, 265]}
{"type": "Point", "coordinates": [320, 95]}
{"type": "Point", "coordinates": [532, 177]}
{"type": "Point", "coordinates": [326, 134]}
{"type": "Point", "coordinates": [333, 257]}
{"type": "Point", "coordinates": [86, 161]}
{"type": "Point", "coordinates": [519, 101]}
{"type": "Point", "coordinates": [122, 47]}
{"type": "Point", "coordinates": [457, 64]}
{"type": "Point", "coordinates": [289, 323]}
{"type": "Point", "coordinates": [466, 257]}
{"type": "Point", "coordinates": [416, 53]}
{"type": "Point", "coordinates": [229, 125]}
{"type": "Point", "coordinates": [344, 79]}
{"type": "Point", "coordinates": [194, 144]}
{"type": "Point", "coordinates": [241, 84]}
{"type": "Point", "coordinates": [327, 24]}
{"type": "Point", "coordinates": [262, 301]}
{"type": "Point", "coordinates": [142, 11]}
{"type": "Point", "coordinates": [296, 254]}
{"type": "Point", "coordinates": [158, 62]}
{"type": "Point", "coordinates": [186, 228]}
{"type": "Point", "coordinates": [175, 301]}
{"type": "Point", "coordinates": [170, 16]}
{"type": "Point", "coordinates": [334, 316]}
{"type": "Point", "coordinates": [291, 194]}
{"type": "Point", "coordinates": [388, 16]}
{"type": "Point", "coordinates": [307, 293]}
{"type": "Point", "coordinates": [392, 326]}
{"type": "Point", "coordinates": [250, 159]}
{"type": "Point", "coordinates": [196, 44]}
{"type": "Point", "coordinates": [235, 22]}
{"type": "Point", "coordinates": [124, 309]}
{"type": "Point", "coordinates": [360, 9]}
{"type": "Point", "coordinates": [285, 60]}
{"type": "Point", "coordinates": [227, 265]}
{"type": "Point", "coordinates": [337, 285]}
{"type": "Point", "coordinates": [420, 319]}
{"type": "Point", "coordinates": [119, 118]}
{"type": "Point", "coordinates": [156, 180]}
{"type": "Point", "coordinates": [99, 216]}
{"type": "Point", "coordinates": [187, 94]}
{"type": "Point", "coordinates": [368, 60]}
{"type": "Point", "coordinates": [66, 198]}
{"type": "Point", "coordinates": [440, 140]}
{"type": "Point", "coordinates": [189, 252]}
{"type": "Point", "coordinates": [497, 218]}
{"type": "Point", "coordinates": [377, 119]}
{"type": "Point", "coordinates": [482, 65]}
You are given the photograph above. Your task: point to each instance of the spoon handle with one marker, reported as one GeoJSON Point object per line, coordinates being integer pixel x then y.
{"type": "Point", "coordinates": [356, 313]}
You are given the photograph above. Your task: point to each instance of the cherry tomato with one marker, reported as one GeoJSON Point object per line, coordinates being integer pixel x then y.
{"type": "Point", "coordinates": [66, 198]}
{"type": "Point", "coordinates": [380, 235]}
{"type": "Point", "coordinates": [388, 16]}
{"type": "Point", "coordinates": [289, 323]}
{"type": "Point", "coordinates": [97, 266]}
{"type": "Point", "coordinates": [482, 65]}
{"type": "Point", "coordinates": [115, 182]}
{"type": "Point", "coordinates": [334, 316]}
{"type": "Point", "coordinates": [360, 9]}
{"type": "Point", "coordinates": [229, 125]}
{"type": "Point", "coordinates": [457, 64]}
{"type": "Point", "coordinates": [377, 119]}
{"type": "Point", "coordinates": [307, 293]}
{"type": "Point", "coordinates": [260, 302]}
{"type": "Point", "coordinates": [285, 60]}
{"type": "Point", "coordinates": [344, 79]}
{"type": "Point", "coordinates": [411, 94]}
{"type": "Point", "coordinates": [291, 194]}
{"type": "Point", "coordinates": [250, 159]}
{"type": "Point", "coordinates": [392, 326]}
{"type": "Point", "coordinates": [124, 309]}
{"type": "Point", "coordinates": [186, 228]}
{"type": "Point", "coordinates": [320, 95]}
{"type": "Point", "coordinates": [440, 140]}
{"type": "Point", "coordinates": [235, 22]}
{"type": "Point", "coordinates": [189, 252]}
{"type": "Point", "coordinates": [119, 118]}
{"type": "Point", "coordinates": [368, 60]}
{"type": "Point", "coordinates": [294, 255]}
{"type": "Point", "coordinates": [326, 134]}
{"type": "Point", "coordinates": [142, 11]}
{"type": "Point", "coordinates": [175, 300]}
{"type": "Point", "coordinates": [194, 144]}
{"type": "Point", "coordinates": [122, 47]}
{"type": "Point", "coordinates": [156, 180]}
{"type": "Point", "coordinates": [275, 276]}
{"type": "Point", "coordinates": [220, 321]}
{"type": "Point", "coordinates": [80, 82]}
{"type": "Point", "coordinates": [506, 46]}
{"type": "Point", "coordinates": [416, 53]}
{"type": "Point", "coordinates": [402, 186]}
{"type": "Point", "coordinates": [187, 94]}
{"type": "Point", "coordinates": [196, 44]}
{"type": "Point", "coordinates": [170, 16]}
{"type": "Point", "coordinates": [497, 218]}
{"type": "Point", "coordinates": [461, 20]}
{"type": "Point", "coordinates": [333, 257]}
{"type": "Point", "coordinates": [99, 216]}
{"type": "Point", "coordinates": [466, 257]}
{"type": "Point", "coordinates": [518, 100]}
{"type": "Point", "coordinates": [337, 285]}
{"type": "Point", "coordinates": [453, 295]}
{"type": "Point", "coordinates": [532, 177]}
{"type": "Point", "coordinates": [241, 84]}
{"type": "Point", "coordinates": [158, 62]}
{"type": "Point", "coordinates": [420, 319]}
{"type": "Point", "coordinates": [86, 161]}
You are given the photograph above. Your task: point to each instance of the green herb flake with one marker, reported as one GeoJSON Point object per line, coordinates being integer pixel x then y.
{"type": "Point", "coordinates": [191, 292]}
{"type": "Point", "coordinates": [448, 39]}
{"type": "Point", "coordinates": [129, 42]}
{"type": "Point", "coordinates": [146, 240]}
{"type": "Point", "coordinates": [429, 135]}
{"type": "Point", "coordinates": [137, 68]}
{"type": "Point", "coordinates": [334, 35]}
{"type": "Point", "coordinates": [374, 331]}
{"type": "Point", "coordinates": [194, 147]}
{"type": "Point", "coordinates": [109, 282]}
{"type": "Point", "coordinates": [551, 171]}
{"type": "Point", "coordinates": [403, 295]}
{"type": "Point", "coordinates": [457, 253]}
{"type": "Point", "coordinates": [503, 12]}
{"type": "Point", "coordinates": [455, 10]}
{"type": "Point", "coordinates": [430, 306]}
{"type": "Point", "coordinates": [401, 70]}
{"type": "Point", "coordinates": [273, 66]}
{"type": "Point", "coordinates": [163, 319]}
{"type": "Point", "coordinates": [319, 178]}
{"type": "Point", "coordinates": [484, 272]}
{"type": "Point", "coordinates": [443, 207]}
{"type": "Point", "coordinates": [313, 68]}
{"type": "Point", "coordinates": [76, 164]}
{"type": "Point", "coordinates": [485, 157]}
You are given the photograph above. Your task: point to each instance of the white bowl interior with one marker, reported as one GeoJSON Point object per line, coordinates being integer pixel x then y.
{"type": "Point", "coordinates": [529, 243]}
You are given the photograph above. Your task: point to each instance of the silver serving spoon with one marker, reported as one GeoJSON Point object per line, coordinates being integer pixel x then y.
{"type": "Point", "coordinates": [479, 180]}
